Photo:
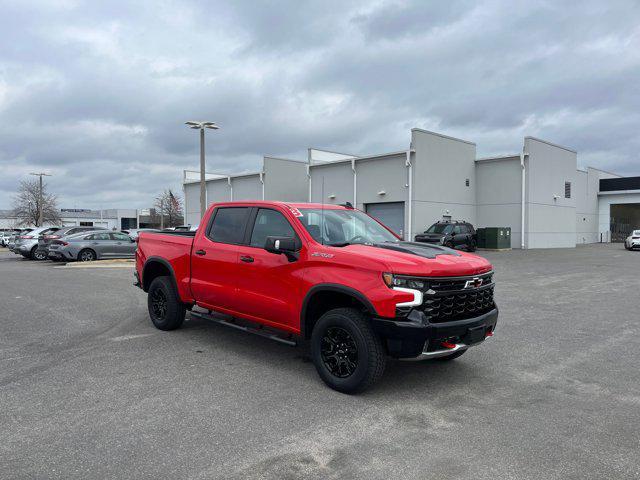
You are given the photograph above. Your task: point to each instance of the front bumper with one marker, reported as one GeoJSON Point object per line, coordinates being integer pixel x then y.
{"type": "Point", "coordinates": [416, 338]}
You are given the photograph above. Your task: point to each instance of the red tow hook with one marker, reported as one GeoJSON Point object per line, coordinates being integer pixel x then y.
{"type": "Point", "coordinates": [448, 345]}
{"type": "Point", "coordinates": [488, 334]}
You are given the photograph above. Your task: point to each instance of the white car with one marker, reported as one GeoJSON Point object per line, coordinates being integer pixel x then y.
{"type": "Point", "coordinates": [633, 240]}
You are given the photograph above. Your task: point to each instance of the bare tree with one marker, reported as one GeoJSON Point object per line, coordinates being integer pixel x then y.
{"type": "Point", "coordinates": [169, 206]}
{"type": "Point", "coordinates": [26, 204]}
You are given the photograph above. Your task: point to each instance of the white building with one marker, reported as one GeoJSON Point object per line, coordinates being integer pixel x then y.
{"type": "Point", "coordinates": [538, 192]}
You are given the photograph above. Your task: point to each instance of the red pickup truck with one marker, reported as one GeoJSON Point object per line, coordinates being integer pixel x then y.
{"type": "Point", "coordinates": [328, 274]}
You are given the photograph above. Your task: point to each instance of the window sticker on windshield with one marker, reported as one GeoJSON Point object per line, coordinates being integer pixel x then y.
{"type": "Point", "coordinates": [295, 211]}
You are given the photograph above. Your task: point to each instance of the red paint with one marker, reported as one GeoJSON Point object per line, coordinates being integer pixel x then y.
{"type": "Point", "coordinates": [271, 290]}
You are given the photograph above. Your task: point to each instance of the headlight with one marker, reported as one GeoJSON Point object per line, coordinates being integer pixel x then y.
{"type": "Point", "coordinates": [394, 281]}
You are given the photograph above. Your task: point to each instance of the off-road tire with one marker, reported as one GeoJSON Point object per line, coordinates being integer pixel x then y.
{"type": "Point", "coordinates": [87, 255]}
{"type": "Point", "coordinates": [371, 356]}
{"type": "Point", "coordinates": [453, 356]}
{"type": "Point", "coordinates": [165, 308]}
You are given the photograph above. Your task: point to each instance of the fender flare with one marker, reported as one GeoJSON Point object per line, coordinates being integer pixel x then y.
{"type": "Point", "coordinates": [332, 287]}
{"type": "Point", "coordinates": [151, 260]}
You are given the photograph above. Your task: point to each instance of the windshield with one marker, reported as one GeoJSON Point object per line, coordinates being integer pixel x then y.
{"type": "Point", "coordinates": [343, 227]}
{"type": "Point", "coordinates": [440, 228]}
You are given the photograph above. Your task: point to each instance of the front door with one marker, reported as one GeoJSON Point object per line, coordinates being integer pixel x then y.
{"type": "Point", "coordinates": [214, 259]}
{"type": "Point", "coordinates": [124, 246]}
{"type": "Point", "coordinates": [268, 283]}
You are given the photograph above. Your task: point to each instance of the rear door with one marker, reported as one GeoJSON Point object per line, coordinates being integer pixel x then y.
{"type": "Point", "coordinates": [214, 258]}
{"type": "Point", "coordinates": [102, 244]}
{"type": "Point", "coordinates": [268, 287]}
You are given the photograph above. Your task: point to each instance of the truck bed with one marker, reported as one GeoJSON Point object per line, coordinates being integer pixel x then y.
{"type": "Point", "coordinates": [172, 247]}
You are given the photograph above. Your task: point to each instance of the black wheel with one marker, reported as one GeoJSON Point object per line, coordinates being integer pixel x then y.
{"type": "Point", "coordinates": [472, 246]}
{"type": "Point", "coordinates": [165, 308]}
{"type": "Point", "coordinates": [453, 356]}
{"type": "Point", "coordinates": [38, 254]}
{"type": "Point", "coordinates": [347, 354]}
{"type": "Point", "coordinates": [86, 255]}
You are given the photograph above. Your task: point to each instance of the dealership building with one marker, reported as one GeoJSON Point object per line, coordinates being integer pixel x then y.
{"type": "Point", "coordinates": [538, 192]}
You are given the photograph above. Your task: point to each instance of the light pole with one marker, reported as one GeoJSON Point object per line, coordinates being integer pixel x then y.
{"type": "Point", "coordinates": [203, 186]}
{"type": "Point", "coordinates": [40, 198]}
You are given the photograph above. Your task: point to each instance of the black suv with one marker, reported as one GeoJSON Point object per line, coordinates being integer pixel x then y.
{"type": "Point", "coordinates": [450, 234]}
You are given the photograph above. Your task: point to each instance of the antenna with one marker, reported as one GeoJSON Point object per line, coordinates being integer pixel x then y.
{"type": "Point", "coordinates": [322, 214]}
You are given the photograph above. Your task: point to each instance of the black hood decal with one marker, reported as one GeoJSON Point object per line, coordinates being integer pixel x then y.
{"type": "Point", "coordinates": [426, 250]}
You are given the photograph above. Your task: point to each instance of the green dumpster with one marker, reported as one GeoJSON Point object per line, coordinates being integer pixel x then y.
{"type": "Point", "coordinates": [495, 238]}
{"type": "Point", "coordinates": [482, 237]}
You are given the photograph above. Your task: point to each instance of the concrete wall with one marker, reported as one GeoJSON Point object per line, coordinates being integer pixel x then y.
{"type": "Point", "coordinates": [499, 195]}
{"type": "Point", "coordinates": [191, 192]}
{"type": "Point", "coordinates": [441, 166]}
{"type": "Point", "coordinates": [550, 223]}
{"type": "Point", "coordinates": [586, 189]}
{"type": "Point", "coordinates": [247, 187]}
{"type": "Point", "coordinates": [338, 181]}
{"type": "Point", "coordinates": [285, 180]}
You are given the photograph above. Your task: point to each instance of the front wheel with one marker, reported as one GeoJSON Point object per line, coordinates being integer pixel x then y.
{"type": "Point", "coordinates": [165, 308]}
{"type": "Point", "coordinates": [472, 246]}
{"type": "Point", "coordinates": [347, 354]}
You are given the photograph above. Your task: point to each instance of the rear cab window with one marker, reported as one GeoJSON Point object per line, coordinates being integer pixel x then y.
{"type": "Point", "coordinates": [228, 225]}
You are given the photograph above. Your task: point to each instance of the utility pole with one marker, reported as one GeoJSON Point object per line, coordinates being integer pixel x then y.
{"type": "Point", "coordinates": [40, 198]}
{"type": "Point", "coordinates": [203, 185]}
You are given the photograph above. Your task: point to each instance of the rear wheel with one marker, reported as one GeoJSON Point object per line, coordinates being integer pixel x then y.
{"type": "Point", "coordinates": [38, 254]}
{"type": "Point", "coordinates": [86, 255]}
{"type": "Point", "coordinates": [165, 308]}
{"type": "Point", "coordinates": [347, 354]}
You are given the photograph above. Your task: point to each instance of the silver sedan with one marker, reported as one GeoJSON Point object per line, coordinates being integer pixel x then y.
{"type": "Point", "coordinates": [89, 246]}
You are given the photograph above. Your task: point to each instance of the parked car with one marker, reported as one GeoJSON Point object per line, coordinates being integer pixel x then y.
{"type": "Point", "coordinates": [94, 245]}
{"type": "Point", "coordinates": [450, 234]}
{"type": "Point", "coordinates": [45, 240]}
{"type": "Point", "coordinates": [5, 235]}
{"type": "Point", "coordinates": [134, 232]}
{"type": "Point", "coordinates": [11, 244]}
{"type": "Point", "coordinates": [27, 243]}
{"type": "Point", "coordinates": [329, 274]}
{"type": "Point", "coordinates": [633, 240]}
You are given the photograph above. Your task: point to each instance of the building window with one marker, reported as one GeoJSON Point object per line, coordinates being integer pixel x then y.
{"type": "Point", "coordinates": [86, 224]}
{"type": "Point", "coordinates": [567, 189]}
{"type": "Point", "coordinates": [466, 182]}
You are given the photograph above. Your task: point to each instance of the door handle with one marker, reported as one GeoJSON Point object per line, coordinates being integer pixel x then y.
{"type": "Point", "coordinates": [201, 252]}
{"type": "Point", "coordinates": [246, 258]}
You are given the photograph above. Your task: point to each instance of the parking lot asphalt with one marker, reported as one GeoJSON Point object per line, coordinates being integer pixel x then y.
{"type": "Point", "coordinates": [89, 389]}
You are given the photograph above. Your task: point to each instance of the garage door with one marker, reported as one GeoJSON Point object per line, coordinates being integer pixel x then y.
{"type": "Point", "coordinates": [625, 217]}
{"type": "Point", "coordinates": [390, 214]}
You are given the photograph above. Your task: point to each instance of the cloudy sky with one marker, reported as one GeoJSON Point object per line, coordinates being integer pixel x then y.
{"type": "Point", "coordinates": [96, 93]}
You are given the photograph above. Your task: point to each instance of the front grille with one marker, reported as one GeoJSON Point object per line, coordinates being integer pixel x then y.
{"type": "Point", "coordinates": [447, 299]}
{"type": "Point", "coordinates": [458, 305]}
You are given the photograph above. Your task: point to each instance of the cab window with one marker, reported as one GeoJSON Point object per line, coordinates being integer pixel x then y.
{"type": "Point", "coordinates": [228, 225]}
{"type": "Point", "coordinates": [269, 223]}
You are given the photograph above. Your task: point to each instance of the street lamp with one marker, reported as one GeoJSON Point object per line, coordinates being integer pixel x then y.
{"type": "Point", "coordinates": [203, 187]}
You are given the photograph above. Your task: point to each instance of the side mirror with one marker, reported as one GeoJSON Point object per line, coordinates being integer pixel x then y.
{"type": "Point", "coordinates": [286, 245]}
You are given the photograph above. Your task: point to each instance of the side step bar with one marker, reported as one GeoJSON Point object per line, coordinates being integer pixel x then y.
{"type": "Point", "coordinates": [254, 331]}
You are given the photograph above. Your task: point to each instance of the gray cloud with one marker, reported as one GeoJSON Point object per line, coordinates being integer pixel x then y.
{"type": "Point", "coordinates": [97, 92]}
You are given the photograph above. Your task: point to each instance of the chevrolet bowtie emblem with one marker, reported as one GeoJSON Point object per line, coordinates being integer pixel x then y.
{"type": "Point", "coordinates": [473, 283]}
